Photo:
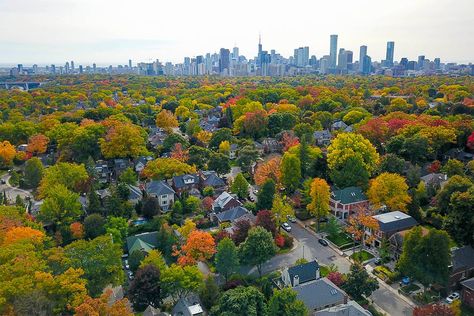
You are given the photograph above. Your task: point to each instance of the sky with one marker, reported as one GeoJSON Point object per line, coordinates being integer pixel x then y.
{"type": "Point", "coordinates": [114, 31]}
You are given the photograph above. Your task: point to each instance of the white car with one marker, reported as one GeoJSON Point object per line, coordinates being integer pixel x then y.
{"type": "Point", "coordinates": [291, 219]}
{"type": "Point", "coordinates": [286, 227]}
{"type": "Point", "coordinates": [126, 264]}
{"type": "Point", "coordinates": [451, 298]}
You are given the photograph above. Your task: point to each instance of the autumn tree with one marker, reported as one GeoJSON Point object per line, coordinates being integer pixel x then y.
{"type": "Point", "coordinates": [268, 170]}
{"type": "Point", "coordinates": [265, 219]}
{"type": "Point", "coordinates": [179, 281]}
{"type": "Point", "coordinates": [199, 246]}
{"type": "Point", "coordinates": [257, 248]}
{"type": "Point", "coordinates": [290, 172]}
{"type": "Point", "coordinates": [319, 193]}
{"type": "Point", "coordinates": [101, 306]}
{"type": "Point", "coordinates": [358, 222]}
{"type": "Point", "coordinates": [166, 120]}
{"type": "Point", "coordinates": [37, 144]}
{"type": "Point", "coordinates": [166, 168]}
{"type": "Point", "coordinates": [188, 227]}
{"type": "Point", "coordinates": [241, 230]}
{"type": "Point", "coordinates": [281, 210]}
{"type": "Point", "coordinates": [77, 230]}
{"type": "Point", "coordinates": [7, 153]}
{"type": "Point", "coordinates": [389, 189]}
{"type": "Point", "coordinates": [434, 310]}
{"type": "Point", "coordinates": [224, 147]}
{"type": "Point", "coordinates": [71, 176]}
{"type": "Point", "coordinates": [227, 259]}
{"type": "Point", "coordinates": [145, 288]}
{"type": "Point", "coordinates": [124, 140]}
{"type": "Point", "coordinates": [179, 153]}
{"type": "Point", "coordinates": [240, 186]}
{"type": "Point", "coordinates": [61, 207]}
{"type": "Point", "coordinates": [348, 148]}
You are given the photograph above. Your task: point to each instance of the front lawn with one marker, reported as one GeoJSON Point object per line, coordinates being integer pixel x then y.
{"type": "Point", "coordinates": [340, 240]}
{"type": "Point", "coordinates": [362, 256]}
{"type": "Point", "coordinates": [427, 297]}
{"type": "Point", "coordinates": [407, 289]}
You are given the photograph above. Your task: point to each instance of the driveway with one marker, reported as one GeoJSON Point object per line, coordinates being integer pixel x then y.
{"type": "Point", "coordinates": [12, 192]}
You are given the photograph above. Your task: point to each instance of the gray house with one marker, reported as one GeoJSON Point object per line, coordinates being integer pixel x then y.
{"type": "Point", "coordinates": [320, 294]}
{"type": "Point", "coordinates": [322, 138]}
{"type": "Point", "coordinates": [352, 308]}
{"type": "Point", "coordinates": [188, 306]}
{"type": "Point", "coordinates": [299, 274]}
{"type": "Point", "coordinates": [162, 191]}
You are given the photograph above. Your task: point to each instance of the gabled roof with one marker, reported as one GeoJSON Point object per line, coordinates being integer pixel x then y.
{"type": "Point", "coordinates": [232, 214]}
{"type": "Point", "coordinates": [184, 180]}
{"type": "Point", "coordinates": [393, 221]}
{"type": "Point", "coordinates": [339, 125]}
{"type": "Point", "coordinates": [144, 241]}
{"type": "Point", "coordinates": [351, 308]}
{"type": "Point", "coordinates": [348, 195]}
{"type": "Point", "coordinates": [463, 258]}
{"type": "Point", "coordinates": [306, 272]}
{"type": "Point", "coordinates": [135, 192]}
{"type": "Point", "coordinates": [434, 178]}
{"type": "Point", "coordinates": [211, 179]}
{"type": "Point", "coordinates": [319, 293]}
{"type": "Point", "coordinates": [223, 199]}
{"type": "Point", "coordinates": [324, 134]}
{"type": "Point", "coordinates": [159, 188]}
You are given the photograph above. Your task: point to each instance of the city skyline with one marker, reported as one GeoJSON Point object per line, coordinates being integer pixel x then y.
{"type": "Point", "coordinates": [113, 32]}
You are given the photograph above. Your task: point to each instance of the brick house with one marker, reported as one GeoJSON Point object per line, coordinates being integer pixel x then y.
{"type": "Point", "coordinates": [343, 202]}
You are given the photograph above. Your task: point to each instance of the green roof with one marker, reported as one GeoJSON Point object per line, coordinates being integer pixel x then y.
{"type": "Point", "coordinates": [145, 242]}
{"type": "Point", "coordinates": [348, 195]}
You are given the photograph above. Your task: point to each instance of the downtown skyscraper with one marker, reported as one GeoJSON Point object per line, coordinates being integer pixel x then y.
{"type": "Point", "coordinates": [389, 54]}
{"type": "Point", "coordinates": [333, 52]}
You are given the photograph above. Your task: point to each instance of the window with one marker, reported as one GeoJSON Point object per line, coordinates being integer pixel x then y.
{"type": "Point", "coordinates": [164, 197]}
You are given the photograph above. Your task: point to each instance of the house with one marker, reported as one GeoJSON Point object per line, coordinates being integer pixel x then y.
{"type": "Point", "coordinates": [396, 241]}
{"type": "Point", "coordinates": [211, 179]}
{"type": "Point", "coordinates": [102, 171]}
{"type": "Point", "coordinates": [467, 292]}
{"type": "Point", "coordinates": [338, 126]}
{"type": "Point", "coordinates": [156, 137]}
{"type": "Point", "coordinates": [142, 242]}
{"type": "Point", "coordinates": [162, 191]}
{"type": "Point", "coordinates": [320, 294]}
{"type": "Point", "coordinates": [456, 153]}
{"type": "Point", "coordinates": [135, 195]}
{"type": "Point", "coordinates": [187, 183]}
{"type": "Point", "coordinates": [345, 201]}
{"type": "Point", "coordinates": [351, 308]}
{"type": "Point", "coordinates": [301, 273]}
{"type": "Point", "coordinates": [141, 163]}
{"type": "Point", "coordinates": [233, 151]}
{"type": "Point", "coordinates": [232, 215]}
{"type": "Point", "coordinates": [151, 311]}
{"type": "Point", "coordinates": [389, 224]}
{"type": "Point", "coordinates": [462, 265]}
{"type": "Point", "coordinates": [322, 138]}
{"type": "Point", "coordinates": [188, 306]}
{"type": "Point", "coordinates": [271, 145]}
{"type": "Point", "coordinates": [22, 147]}
{"type": "Point", "coordinates": [120, 165]}
{"type": "Point", "coordinates": [225, 202]}
{"type": "Point", "coordinates": [435, 180]}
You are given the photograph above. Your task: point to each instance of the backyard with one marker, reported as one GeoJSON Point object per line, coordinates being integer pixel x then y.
{"type": "Point", "coordinates": [362, 256]}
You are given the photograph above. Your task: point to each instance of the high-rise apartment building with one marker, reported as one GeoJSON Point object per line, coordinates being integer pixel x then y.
{"type": "Point", "coordinates": [224, 60]}
{"type": "Point", "coordinates": [333, 51]}
{"type": "Point", "coordinates": [389, 54]}
{"type": "Point", "coordinates": [362, 54]}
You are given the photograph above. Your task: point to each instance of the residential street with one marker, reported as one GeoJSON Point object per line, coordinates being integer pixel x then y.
{"type": "Point", "coordinates": [12, 192]}
{"type": "Point", "coordinates": [390, 302]}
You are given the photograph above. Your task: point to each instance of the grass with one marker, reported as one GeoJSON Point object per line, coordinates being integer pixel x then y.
{"type": "Point", "coordinates": [409, 288]}
{"type": "Point", "coordinates": [362, 256]}
{"type": "Point", "coordinates": [323, 271]}
{"type": "Point", "coordinates": [427, 297]}
{"type": "Point", "coordinates": [341, 239]}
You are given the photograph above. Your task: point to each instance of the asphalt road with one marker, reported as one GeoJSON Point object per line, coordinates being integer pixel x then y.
{"type": "Point", "coordinates": [390, 302]}
{"type": "Point", "coordinates": [12, 192]}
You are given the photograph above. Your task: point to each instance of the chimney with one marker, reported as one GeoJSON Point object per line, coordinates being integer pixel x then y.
{"type": "Point", "coordinates": [296, 280]}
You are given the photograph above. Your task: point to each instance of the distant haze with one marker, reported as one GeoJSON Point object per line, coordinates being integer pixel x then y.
{"type": "Point", "coordinates": [113, 31]}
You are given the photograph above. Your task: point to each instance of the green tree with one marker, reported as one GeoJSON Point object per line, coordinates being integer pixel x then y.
{"type": "Point", "coordinates": [453, 167]}
{"type": "Point", "coordinates": [359, 283]}
{"type": "Point", "coordinates": [241, 301]}
{"type": "Point", "coordinates": [117, 227]}
{"type": "Point", "coordinates": [100, 259]}
{"type": "Point", "coordinates": [246, 157]}
{"type": "Point", "coordinates": [226, 259]}
{"type": "Point", "coordinates": [392, 163]}
{"type": "Point", "coordinates": [220, 163]}
{"type": "Point", "coordinates": [351, 173]}
{"type": "Point", "coordinates": [155, 258]}
{"type": "Point", "coordinates": [33, 172]}
{"type": "Point", "coordinates": [135, 259]}
{"type": "Point", "coordinates": [209, 292]}
{"type": "Point", "coordinates": [71, 176]}
{"type": "Point", "coordinates": [240, 186]}
{"type": "Point", "coordinates": [94, 226]}
{"type": "Point", "coordinates": [460, 218]}
{"type": "Point", "coordinates": [257, 248]}
{"type": "Point", "coordinates": [61, 207]}
{"type": "Point", "coordinates": [284, 303]}
{"type": "Point", "coordinates": [129, 176]}
{"type": "Point", "coordinates": [290, 172]}
{"type": "Point", "coordinates": [333, 228]}
{"type": "Point", "coordinates": [178, 281]}
{"type": "Point", "coordinates": [219, 136]}
{"type": "Point", "coordinates": [455, 184]}
{"type": "Point", "coordinates": [265, 195]}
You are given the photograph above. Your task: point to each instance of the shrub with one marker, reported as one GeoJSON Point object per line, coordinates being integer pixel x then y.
{"type": "Point", "coordinates": [280, 241]}
{"type": "Point", "coordinates": [288, 241]}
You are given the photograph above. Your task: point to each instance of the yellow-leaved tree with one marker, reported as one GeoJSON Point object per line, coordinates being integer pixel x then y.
{"type": "Point", "coordinates": [389, 189]}
{"type": "Point", "coordinates": [319, 193]}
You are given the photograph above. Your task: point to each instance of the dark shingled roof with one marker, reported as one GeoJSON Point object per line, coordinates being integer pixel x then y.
{"type": "Point", "coordinates": [232, 214]}
{"type": "Point", "coordinates": [212, 180]}
{"type": "Point", "coordinates": [184, 180]}
{"type": "Point", "coordinates": [159, 188]}
{"type": "Point", "coordinates": [319, 293]}
{"type": "Point", "coordinates": [306, 272]}
{"type": "Point", "coordinates": [469, 283]}
{"type": "Point", "coordinates": [463, 258]}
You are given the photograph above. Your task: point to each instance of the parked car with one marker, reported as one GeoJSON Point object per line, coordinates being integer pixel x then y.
{"type": "Point", "coordinates": [451, 298]}
{"type": "Point", "coordinates": [286, 227]}
{"type": "Point", "coordinates": [3, 181]}
{"type": "Point", "coordinates": [130, 275]}
{"type": "Point", "coordinates": [378, 260]}
{"type": "Point", "coordinates": [126, 264]}
{"type": "Point", "coordinates": [323, 242]}
{"type": "Point", "coordinates": [291, 219]}
{"type": "Point", "coordinates": [255, 191]}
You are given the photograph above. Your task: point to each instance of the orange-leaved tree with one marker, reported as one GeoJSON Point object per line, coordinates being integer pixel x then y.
{"type": "Point", "coordinates": [319, 193]}
{"type": "Point", "coordinates": [37, 144]}
{"type": "Point", "coordinates": [357, 224]}
{"type": "Point", "coordinates": [101, 306]}
{"type": "Point", "coordinates": [7, 153]}
{"type": "Point", "coordinates": [199, 246]}
{"type": "Point", "coordinates": [17, 234]}
{"type": "Point", "coordinates": [166, 120]}
{"type": "Point", "coordinates": [268, 170]}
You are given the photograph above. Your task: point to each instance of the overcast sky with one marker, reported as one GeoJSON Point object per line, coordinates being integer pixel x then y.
{"type": "Point", "coordinates": [112, 31]}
